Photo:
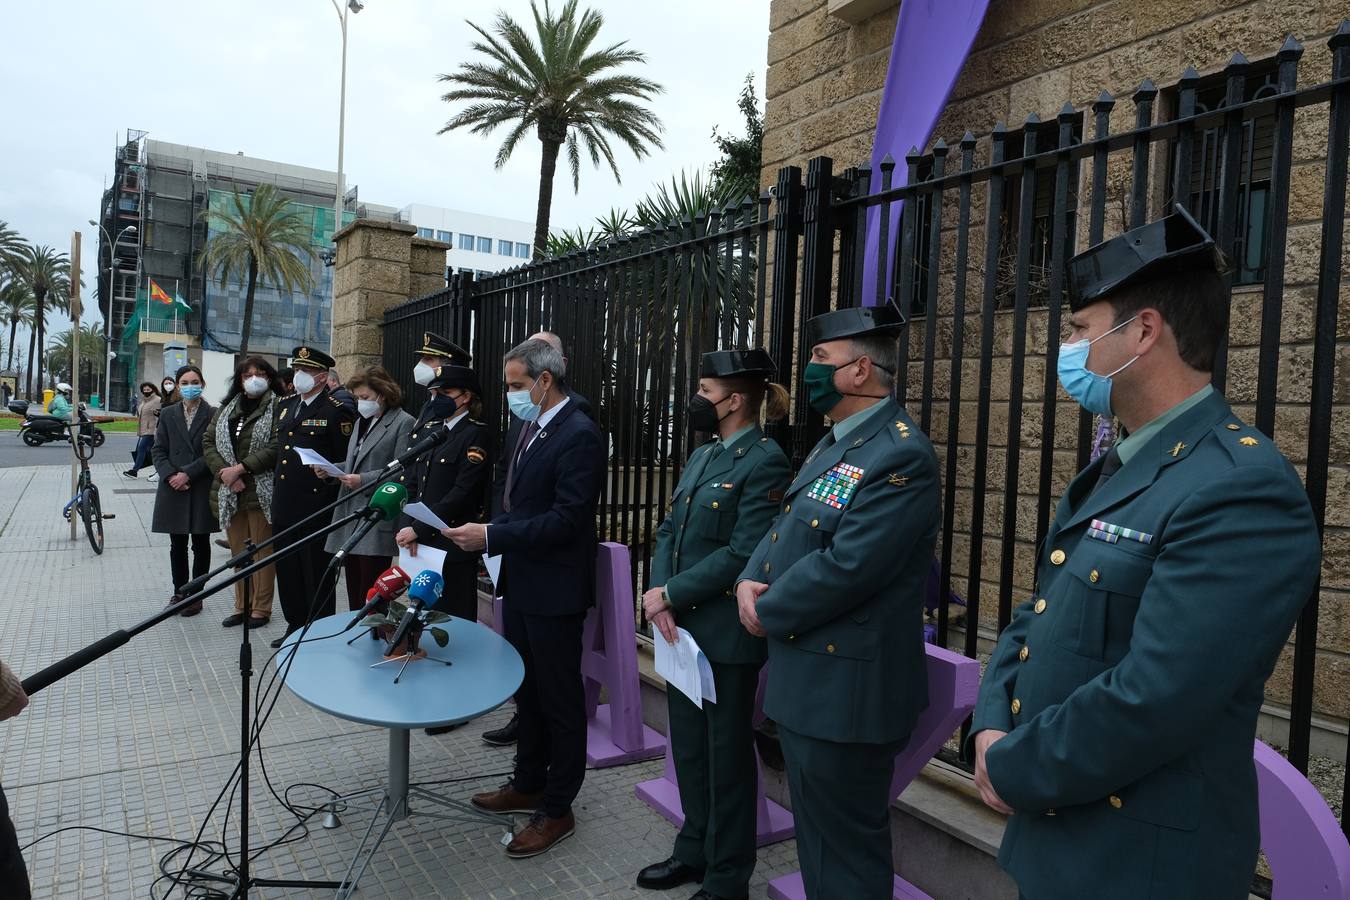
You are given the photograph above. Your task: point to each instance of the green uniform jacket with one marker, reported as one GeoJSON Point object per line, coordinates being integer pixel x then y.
{"type": "Point", "coordinates": [846, 576]}
{"type": "Point", "coordinates": [1130, 683]}
{"type": "Point", "coordinates": [718, 513]}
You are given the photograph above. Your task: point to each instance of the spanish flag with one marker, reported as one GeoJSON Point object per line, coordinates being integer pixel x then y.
{"type": "Point", "coordinates": [157, 293]}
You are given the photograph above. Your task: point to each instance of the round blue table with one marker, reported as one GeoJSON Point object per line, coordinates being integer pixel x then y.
{"type": "Point", "coordinates": [348, 677]}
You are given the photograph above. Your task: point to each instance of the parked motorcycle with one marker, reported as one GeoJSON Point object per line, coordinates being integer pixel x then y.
{"type": "Point", "coordinates": [38, 428]}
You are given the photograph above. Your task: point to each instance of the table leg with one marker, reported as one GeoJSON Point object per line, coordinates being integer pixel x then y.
{"type": "Point", "coordinates": [397, 791]}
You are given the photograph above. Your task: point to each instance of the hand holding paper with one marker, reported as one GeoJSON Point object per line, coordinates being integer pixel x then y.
{"type": "Point", "coordinates": [310, 458]}
{"type": "Point", "coordinates": [685, 668]}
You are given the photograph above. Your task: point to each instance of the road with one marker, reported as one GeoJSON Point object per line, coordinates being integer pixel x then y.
{"type": "Point", "coordinates": [14, 452]}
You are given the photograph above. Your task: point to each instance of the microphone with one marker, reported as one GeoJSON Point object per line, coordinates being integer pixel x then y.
{"type": "Point", "coordinates": [425, 590]}
{"type": "Point", "coordinates": [384, 506]}
{"type": "Point", "coordinates": [425, 443]}
{"type": "Point", "coordinates": [391, 584]}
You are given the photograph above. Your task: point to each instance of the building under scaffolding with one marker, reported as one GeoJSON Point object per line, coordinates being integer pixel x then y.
{"type": "Point", "coordinates": [165, 190]}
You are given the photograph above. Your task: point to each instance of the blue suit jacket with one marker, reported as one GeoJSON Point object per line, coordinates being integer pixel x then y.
{"type": "Point", "coordinates": [547, 540]}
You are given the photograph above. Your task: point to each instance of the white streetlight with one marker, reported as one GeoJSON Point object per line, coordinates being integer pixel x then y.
{"type": "Point", "coordinates": [351, 6]}
{"type": "Point", "coordinates": [107, 318]}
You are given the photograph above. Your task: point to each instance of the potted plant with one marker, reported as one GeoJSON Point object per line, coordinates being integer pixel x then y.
{"type": "Point", "coordinates": [387, 622]}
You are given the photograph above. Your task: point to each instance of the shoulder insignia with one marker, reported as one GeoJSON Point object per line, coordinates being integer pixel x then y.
{"type": "Point", "coordinates": [333, 400]}
{"type": "Point", "coordinates": [1176, 451]}
{"type": "Point", "coordinates": [476, 454]}
{"type": "Point", "coordinates": [1248, 441]}
{"type": "Point", "coordinates": [1233, 426]}
{"type": "Point", "coordinates": [903, 429]}
{"type": "Point", "coordinates": [775, 496]}
{"type": "Point", "coordinates": [347, 428]}
{"type": "Point", "coordinates": [897, 480]}
{"type": "Point", "coordinates": [284, 412]}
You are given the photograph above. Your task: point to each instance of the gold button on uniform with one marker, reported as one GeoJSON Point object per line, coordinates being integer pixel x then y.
{"type": "Point", "coordinates": [1114, 801]}
{"type": "Point", "coordinates": [1233, 426]}
{"type": "Point", "coordinates": [773, 538]}
{"type": "Point", "coordinates": [288, 446]}
{"type": "Point", "coordinates": [1093, 576]}
{"type": "Point", "coordinates": [714, 504]}
{"type": "Point", "coordinates": [815, 522]}
{"type": "Point", "coordinates": [1057, 558]}
{"type": "Point", "coordinates": [686, 501]}
{"type": "Point", "coordinates": [1016, 706]}
{"type": "Point", "coordinates": [829, 648]}
{"type": "Point", "coordinates": [766, 567]}
{"type": "Point", "coordinates": [1024, 653]}
{"type": "Point", "coordinates": [1050, 812]}
{"type": "Point", "coordinates": [792, 637]}
{"type": "Point", "coordinates": [1039, 607]}
{"type": "Point", "coordinates": [788, 508]}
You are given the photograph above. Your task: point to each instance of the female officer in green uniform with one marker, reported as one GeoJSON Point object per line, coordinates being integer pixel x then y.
{"type": "Point", "coordinates": [722, 506]}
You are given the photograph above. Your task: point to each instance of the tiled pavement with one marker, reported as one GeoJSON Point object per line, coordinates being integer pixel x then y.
{"type": "Point", "coordinates": [142, 740]}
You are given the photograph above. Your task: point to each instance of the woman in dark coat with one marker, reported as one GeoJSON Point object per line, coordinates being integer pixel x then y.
{"type": "Point", "coordinates": [183, 498]}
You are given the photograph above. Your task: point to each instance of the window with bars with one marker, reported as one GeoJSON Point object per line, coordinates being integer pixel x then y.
{"type": "Point", "coordinates": [1254, 168]}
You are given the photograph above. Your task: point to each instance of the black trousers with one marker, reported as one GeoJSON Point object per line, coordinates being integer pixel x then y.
{"type": "Point", "coordinates": [298, 579]}
{"type": "Point", "coordinates": [460, 597]}
{"type": "Point", "coordinates": [551, 750]}
{"type": "Point", "coordinates": [178, 557]}
{"type": "Point", "coordinates": [13, 875]}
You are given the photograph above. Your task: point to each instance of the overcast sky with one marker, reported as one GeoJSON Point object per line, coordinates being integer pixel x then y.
{"type": "Point", "coordinates": [261, 76]}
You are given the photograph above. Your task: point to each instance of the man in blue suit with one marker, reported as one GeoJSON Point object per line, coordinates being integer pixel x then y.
{"type": "Point", "coordinates": [546, 539]}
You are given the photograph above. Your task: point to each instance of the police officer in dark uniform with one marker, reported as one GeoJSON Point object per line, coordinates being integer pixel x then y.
{"type": "Point", "coordinates": [726, 497]}
{"type": "Point", "coordinates": [312, 418]}
{"type": "Point", "coordinates": [437, 351]}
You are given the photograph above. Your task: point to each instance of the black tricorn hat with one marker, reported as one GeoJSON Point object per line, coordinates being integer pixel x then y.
{"type": "Point", "coordinates": [311, 358]}
{"type": "Point", "coordinates": [855, 322]}
{"type": "Point", "coordinates": [1173, 244]}
{"type": "Point", "coordinates": [731, 363]}
{"type": "Point", "coordinates": [435, 345]}
{"type": "Point", "coordinates": [456, 377]}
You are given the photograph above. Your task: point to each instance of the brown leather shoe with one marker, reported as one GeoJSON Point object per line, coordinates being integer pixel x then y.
{"type": "Point", "coordinates": [540, 835]}
{"type": "Point", "coordinates": [506, 799]}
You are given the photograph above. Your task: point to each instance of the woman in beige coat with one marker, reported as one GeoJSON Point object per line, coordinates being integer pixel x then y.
{"type": "Point", "coordinates": [147, 414]}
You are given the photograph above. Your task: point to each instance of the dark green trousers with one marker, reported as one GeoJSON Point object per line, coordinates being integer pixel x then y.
{"type": "Point", "coordinates": [841, 808]}
{"type": "Point", "coordinates": [714, 753]}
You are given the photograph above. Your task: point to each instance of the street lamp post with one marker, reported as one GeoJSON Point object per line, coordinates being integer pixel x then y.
{"type": "Point", "coordinates": [107, 318]}
{"type": "Point", "coordinates": [351, 6]}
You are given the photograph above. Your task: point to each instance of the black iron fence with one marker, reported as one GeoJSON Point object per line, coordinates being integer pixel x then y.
{"type": "Point", "coordinates": [985, 231]}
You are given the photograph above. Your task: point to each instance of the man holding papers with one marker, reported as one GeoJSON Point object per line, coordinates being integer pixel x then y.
{"type": "Point", "coordinates": [722, 506]}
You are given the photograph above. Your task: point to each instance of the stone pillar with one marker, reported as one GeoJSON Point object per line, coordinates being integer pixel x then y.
{"type": "Point", "coordinates": [379, 264]}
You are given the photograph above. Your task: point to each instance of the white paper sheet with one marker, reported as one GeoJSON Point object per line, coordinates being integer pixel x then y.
{"type": "Point", "coordinates": [685, 668]}
{"type": "Point", "coordinates": [494, 567]}
{"type": "Point", "coordinates": [426, 558]}
{"type": "Point", "coordinates": [310, 458]}
{"type": "Point", "coordinates": [422, 513]}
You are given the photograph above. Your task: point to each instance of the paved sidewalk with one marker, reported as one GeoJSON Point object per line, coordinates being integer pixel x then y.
{"type": "Point", "coordinates": [142, 740]}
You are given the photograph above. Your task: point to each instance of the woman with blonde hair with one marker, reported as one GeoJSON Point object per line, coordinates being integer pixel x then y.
{"type": "Point", "coordinates": [381, 433]}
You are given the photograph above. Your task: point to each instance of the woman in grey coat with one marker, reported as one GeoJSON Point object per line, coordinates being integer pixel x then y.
{"type": "Point", "coordinates": [183, 497]}
{"type": "Point", "coordinates": [381, 433]}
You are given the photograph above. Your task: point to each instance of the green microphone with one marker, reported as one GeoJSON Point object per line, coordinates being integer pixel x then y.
{"type": "Point", "coordinates": [384, 506]}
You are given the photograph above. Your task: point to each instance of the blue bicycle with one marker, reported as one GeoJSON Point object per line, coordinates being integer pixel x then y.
{"type": "Point", "coordinates": [86, 502]}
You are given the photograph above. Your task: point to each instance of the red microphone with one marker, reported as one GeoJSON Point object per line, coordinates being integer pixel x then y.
{"type": "Point", "coordinates": [391, 584]}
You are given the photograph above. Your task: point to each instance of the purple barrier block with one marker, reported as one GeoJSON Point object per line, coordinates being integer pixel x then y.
{"type": "Point", "coordinates": [615, 733]}
{"type": "Point", "coordinates": [953, 684]}
{"type": "Point", "coordinates": [773, 822]}
{"type": "Point", "coordinates": [1307, 851]}
{"type": "Point", "coordinates": [497, 624]}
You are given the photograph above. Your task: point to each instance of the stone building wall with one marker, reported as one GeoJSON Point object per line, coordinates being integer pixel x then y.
{"type": "Point", "coordinates": [823, 88]}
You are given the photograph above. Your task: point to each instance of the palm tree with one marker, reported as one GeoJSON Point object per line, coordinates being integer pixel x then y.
{"type": "Point", "coordinates": [554, 84]}
{"type": "Point", "coordinates": [16, 308]}
{"type": "Point", "coordinates": [263, 236]}
{"type": "Point", "coordinates": [93, 352]}
{"type": "Point", "coordinates": [11, 246]}
{"type": "Point", "coordinates": [47, 274]}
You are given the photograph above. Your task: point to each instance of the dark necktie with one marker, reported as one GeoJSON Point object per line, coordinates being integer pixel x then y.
{"type": "Point", "coordinates": [1110, 465]}
{"type": "Point", "coordinates": [526, 433]}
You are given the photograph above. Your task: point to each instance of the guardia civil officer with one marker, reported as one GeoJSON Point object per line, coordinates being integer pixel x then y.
{"type": "Point", "coordinates": [838, 586]}
{"type": "Point", "coordinates": [313, 418]}
{"type": "Point", "coordinates": [1117, 715]}
{"type": "Point", "coordinates": [726, 497]}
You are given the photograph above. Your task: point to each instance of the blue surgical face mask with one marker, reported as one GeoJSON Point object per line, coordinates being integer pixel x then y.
{"type": "Point", "coordinates": [1092, 391]}
{"type": "Point", "coordinates": [190, 391]}
{"type": "Point", "coordinates": [522, 405]}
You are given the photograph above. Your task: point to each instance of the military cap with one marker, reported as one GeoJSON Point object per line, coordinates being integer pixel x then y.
{"type": "Point", "coordinates": [311, 358]}
{"type": "Point", "coordinates": [1173, 244]}
{"type": "Point", "coordinates": [435, 345]}
{"type": "Point", "coordinates": [456, 377]}
{"type": "Point", "coordinates": [730, 363]}
{"type": "Point", "coordinates": [855, 322]}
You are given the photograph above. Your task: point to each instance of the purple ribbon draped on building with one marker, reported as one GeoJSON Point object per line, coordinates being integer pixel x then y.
{"type": "Point", "coordinates": [932, 40]}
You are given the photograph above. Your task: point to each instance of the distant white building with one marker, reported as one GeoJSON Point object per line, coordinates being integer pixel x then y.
{"type": "Point", "coordinates": [481, 244]}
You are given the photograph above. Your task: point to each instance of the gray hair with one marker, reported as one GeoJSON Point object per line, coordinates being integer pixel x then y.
{"type": "Point", "coordinates": [884, 352]}
{"type": "Point", "coordinates": [548, 337]}
{"type": "Point", "coordinates": [538, 357]}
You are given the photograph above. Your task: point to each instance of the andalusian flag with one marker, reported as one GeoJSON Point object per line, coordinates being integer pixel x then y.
{"type": "Point", "coordinates": [158, 293]}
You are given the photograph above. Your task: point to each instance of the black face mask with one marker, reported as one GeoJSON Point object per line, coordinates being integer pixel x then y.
{"type": "Point", "coordinates": [703, 413]}
{"type": "Point", "coordinates": [440, 406]}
